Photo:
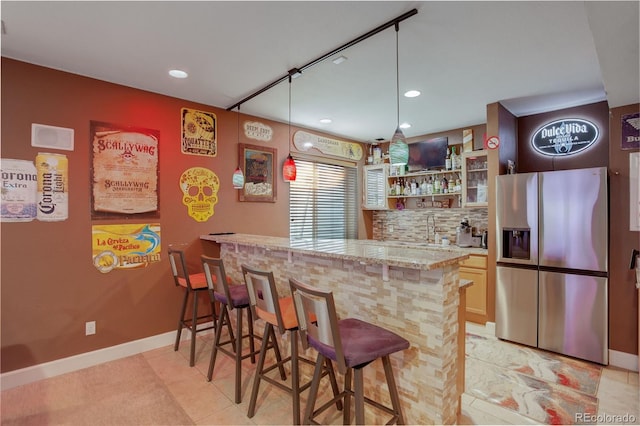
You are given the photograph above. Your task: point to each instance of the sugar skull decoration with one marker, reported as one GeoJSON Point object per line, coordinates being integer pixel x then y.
{"type": "Point", "coordinates": [199, 192]}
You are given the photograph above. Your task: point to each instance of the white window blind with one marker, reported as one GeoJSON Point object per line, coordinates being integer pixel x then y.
{"type": "Point", "coordinates": [323, 201]}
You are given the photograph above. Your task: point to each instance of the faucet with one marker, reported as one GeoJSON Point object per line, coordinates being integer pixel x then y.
{"type": "Point", "coordinates": [433, 228]}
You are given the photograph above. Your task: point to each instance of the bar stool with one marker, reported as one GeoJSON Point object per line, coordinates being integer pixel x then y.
{"type": "Point", "coordinates": [230, 297]}
{"type": "Point", "coordinates": [352, 344]}
{"type": "Point", "coordinates": [193, 285]}
{"type": "Point", "coordinates": [278, 312]}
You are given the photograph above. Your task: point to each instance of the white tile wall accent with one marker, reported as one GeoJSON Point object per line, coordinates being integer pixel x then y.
{"type": "Point", "coordinates": [411, 224]}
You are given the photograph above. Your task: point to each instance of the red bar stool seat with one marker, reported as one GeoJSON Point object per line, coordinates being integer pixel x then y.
{"type": "Point", "coordinates": [278, 312]}
{"type": "Point", "coordinates": [193, 285]}
{"type": "Point", "coordinates": [352, 344]}
{"type": "Point", "coordinates": [230, 296]}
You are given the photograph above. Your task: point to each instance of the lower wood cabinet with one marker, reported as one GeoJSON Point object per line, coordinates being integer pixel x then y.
{"type": "Point", "coordinates": [475, 269]}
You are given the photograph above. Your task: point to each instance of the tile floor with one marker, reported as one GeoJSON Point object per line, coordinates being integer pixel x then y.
{"type": "Point", "coordinates": [212, 402]}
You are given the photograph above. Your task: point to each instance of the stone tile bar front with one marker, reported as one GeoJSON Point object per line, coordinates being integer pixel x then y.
{"type": "Point", "coordinates": [412, 291]}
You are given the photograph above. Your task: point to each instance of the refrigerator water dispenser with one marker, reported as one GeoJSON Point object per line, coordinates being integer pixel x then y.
{"type": "Point", "coordinates": [516, 243]}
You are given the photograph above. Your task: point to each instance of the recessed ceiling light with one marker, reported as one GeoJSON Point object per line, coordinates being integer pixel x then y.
{"type": "Point", "coordinates": [405, 125]}
{"type": "Point", "coordinates": [178, 74]}
{"type": "Point", "coordinates": [412, 93]}
{"type": "Point", "coordinates": [325, 120]}
{"type": "Point", "coordinates": [340, 59]}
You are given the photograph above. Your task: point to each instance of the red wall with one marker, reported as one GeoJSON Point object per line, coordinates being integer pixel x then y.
{"type": "Point", "coordinates": [50, 287]}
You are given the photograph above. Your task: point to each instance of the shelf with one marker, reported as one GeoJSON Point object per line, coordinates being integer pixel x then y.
{"type": "Point", "coordinates": [424, 195]}
{"type": "Point", "coordinates": [426, 173]}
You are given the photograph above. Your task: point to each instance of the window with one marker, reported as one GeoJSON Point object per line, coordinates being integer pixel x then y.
{"type": "Point", "coordinates": [323, 201]}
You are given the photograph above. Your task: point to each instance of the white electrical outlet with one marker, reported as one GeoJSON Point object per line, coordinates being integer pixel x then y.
{"type": "Point", "coordinates": [390, 228]}
{"type": "Point", "coordinates": [90, 328]}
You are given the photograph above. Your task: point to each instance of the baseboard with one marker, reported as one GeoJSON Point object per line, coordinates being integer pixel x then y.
{"type": "Point", "coordinates": [491, 327]}
{"type": "Point", "coordinates": [623, 360]}
{"type": "Point", "coordinates": [34, 373]}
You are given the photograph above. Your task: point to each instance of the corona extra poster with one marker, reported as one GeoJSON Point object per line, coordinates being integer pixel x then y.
{"type": "Point", "coordinates": [125, 246]}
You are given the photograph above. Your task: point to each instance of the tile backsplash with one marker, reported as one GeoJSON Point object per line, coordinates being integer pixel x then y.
{"type": "Point", "coordinates": [411, 224]}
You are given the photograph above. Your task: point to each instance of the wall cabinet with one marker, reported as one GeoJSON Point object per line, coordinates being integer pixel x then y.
{"type": "Point", "coordinates": [475, 269]}
{"type": "Point", "coordinates": [374, 187]}
{"type": "Point", "coordinates": [474, 178]}
{"type": "Point", "coordinates": [383, 186]}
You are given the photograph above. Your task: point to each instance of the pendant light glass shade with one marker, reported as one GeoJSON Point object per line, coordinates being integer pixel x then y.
{"type": "Point", "coordinates": [238, 179]}
{"type": "Point", "coordinates": [398, 148]}
{"type": "Point", "coordinates": [238, 176]}
{"type": "Point", "coordinates": [289, 170]}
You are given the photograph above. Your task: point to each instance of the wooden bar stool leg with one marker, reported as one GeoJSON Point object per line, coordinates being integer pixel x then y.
{"type": "Point", "coordinates": [194, 323]}
{"type": "Point", "coordinates": [252, 344]}
{"type": "Point", "coordinates": [313, 392]}
{"type": "Point", "coordinates": [238, 357]}
{"type": "Point", "coordinates": [393, 390]}
{"type": "Point", "coordinates": [183, 310]}
{"type": "Point", "coordinates": [333, 381]}
{"type": "Point", "coordinates": [359, 395]}
{"type": "Point", "coordinates": [346, 412]}
{"type": "Point", "coordinates": [216, 342]}
{"type": "Point", "coordinates": [295, 379]}
{"type": "Point", "coordinates": [258, 375]}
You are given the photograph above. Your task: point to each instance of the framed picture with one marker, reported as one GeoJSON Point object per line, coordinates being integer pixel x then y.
{"type": "Point", "coordinates": [259, 165]}
{"type": "Point", "coordinates": [124, 172]}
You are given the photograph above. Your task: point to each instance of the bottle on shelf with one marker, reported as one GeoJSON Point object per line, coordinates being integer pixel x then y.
{"type": "Point", "coordinates": [455, 160]}
{"type": "Point", "coordinates": [447, 160]}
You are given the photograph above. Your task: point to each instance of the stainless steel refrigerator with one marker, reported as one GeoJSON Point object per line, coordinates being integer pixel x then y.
{"type": "Point", "coordinates": [552, 257]}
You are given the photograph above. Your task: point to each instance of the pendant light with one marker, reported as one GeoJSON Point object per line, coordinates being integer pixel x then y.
{"type": "Point", "coordinates": [238, 176]}
{"type": "Point", "coordinates": [398, 148]}
{"type": "Point", "coordinates": [289, 168]}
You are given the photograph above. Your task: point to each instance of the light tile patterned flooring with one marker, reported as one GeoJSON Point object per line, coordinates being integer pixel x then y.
{"type": "Point", "coordinates": [212, 402]}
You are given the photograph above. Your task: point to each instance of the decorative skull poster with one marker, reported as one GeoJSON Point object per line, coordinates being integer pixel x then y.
{"type": "Point", "coordinates": [199, 188]}
{"type": "Point", "coordinates": [124, 171]}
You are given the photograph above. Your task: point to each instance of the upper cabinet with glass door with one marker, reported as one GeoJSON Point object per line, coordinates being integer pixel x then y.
{"type": "Point", "coordinates": [374, 188]}
{"type": "Point", "coordinates": [474, 179]}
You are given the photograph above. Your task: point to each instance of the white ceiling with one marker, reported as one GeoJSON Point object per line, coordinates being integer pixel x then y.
{"type": "Point", "coordinates": [531, 56]}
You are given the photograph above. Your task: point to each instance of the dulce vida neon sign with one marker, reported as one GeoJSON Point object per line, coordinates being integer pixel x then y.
{"type": "Point", "coordinates": [565, 137]}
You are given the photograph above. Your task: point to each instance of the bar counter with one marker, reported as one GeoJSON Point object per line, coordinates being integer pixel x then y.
{"type": "Point", "coordinates": [412, 290]}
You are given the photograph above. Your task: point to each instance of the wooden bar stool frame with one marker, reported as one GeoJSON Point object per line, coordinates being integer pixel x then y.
{"type": "Point", "coordinates": [219, 290]}
{"type": "Point", "coordinates": [267, 305]}
{"type": "Point", "coordinates": [193, 286]}
{"type": "Point", "coordinates": [317, 318]}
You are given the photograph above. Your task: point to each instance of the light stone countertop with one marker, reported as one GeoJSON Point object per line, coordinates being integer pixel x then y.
{"type": "Point", "coordinates": [388, 253]}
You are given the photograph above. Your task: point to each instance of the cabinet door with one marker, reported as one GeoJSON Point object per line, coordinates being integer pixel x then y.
{"type": "Point", "coordinates": [474, 179]}
{"type": "Point", "coordinates": [374, 188]}
{"type": "Point", "coordinates": [476, 294]}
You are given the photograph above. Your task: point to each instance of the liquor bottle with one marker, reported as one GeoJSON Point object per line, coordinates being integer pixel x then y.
{"type": "Point", "coordinates": [447, 161]}
{"type": "Point", "coordinates": [445, 185]}
{"type": "Point", "coordinates": [430, 186]}
{"type": "Point", "coordinates": [455, 161]}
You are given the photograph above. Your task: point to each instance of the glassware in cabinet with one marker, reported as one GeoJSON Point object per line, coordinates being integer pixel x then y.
{"type": "Point", "coordinates": [474, 179]}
